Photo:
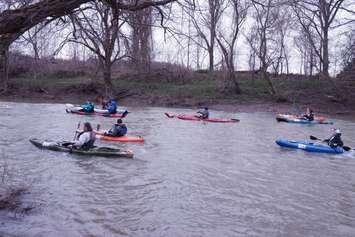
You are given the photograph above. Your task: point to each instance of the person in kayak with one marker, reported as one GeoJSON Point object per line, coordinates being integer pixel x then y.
{"type": "Point", "coordinates": [335, 140]}
{"type": "Point", "coordinates": [118, 130]}
{"type": "Point", "coordinates": [309, 115]}
{"type": "Point", "coordinates": [86, 138]}
{"type": "Point", "coordinates": [88, 107]}
{"type": "Point", "coordinates": [203, 114]}
{"type": "Point", "coordinates": [111, 106]}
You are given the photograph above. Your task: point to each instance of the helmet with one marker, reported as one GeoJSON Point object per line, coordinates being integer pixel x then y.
{"type": "Point", "coordinates": [119, 121]}
{"type": "Point", "coordinates": [336, 130]}
{"type": "Point", "coordinates": [206, 108]}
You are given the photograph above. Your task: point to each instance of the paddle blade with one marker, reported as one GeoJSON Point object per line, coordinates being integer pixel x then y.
{"type": "Point", "coordinates": [346, 148]}
{"type": "Point", "coordinates": [169, 115]}
{"type": "Point", "coordinates": [125, 114]}
{"type": "Point", "coordinates": [313, 138]}
{"type": "Point", "coordinates": [98, 127]}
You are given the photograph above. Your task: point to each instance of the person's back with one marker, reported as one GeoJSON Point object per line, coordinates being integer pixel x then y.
{"type": "Point", "coordinates": [112, 108]}
{"type": "Point", "coordinates": [335, 140]}
{"type": "Point", "coordinates": [118, 130]}
{"type": "Point", "coordinates": [204, 114]}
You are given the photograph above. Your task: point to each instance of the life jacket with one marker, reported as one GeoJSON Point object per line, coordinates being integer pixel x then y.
{"type": "Point", "coordinates": [118, 130]}
{"type": "Point", "coordinates": [335, 141]}
{"type": "Point", "coordinates": [204, 114]}
{"type": "Point", "coordinates": [112, 108]}
{"type": "Point", "coordinates": [88, 107]}
{"type": "Point", "coordinates": [90, 144]}
{"type": "Point", "coordinates": [309, 117]}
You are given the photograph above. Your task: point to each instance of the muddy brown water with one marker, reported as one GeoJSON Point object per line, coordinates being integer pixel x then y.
{"type": "Point", "coordinates": [187, 179]}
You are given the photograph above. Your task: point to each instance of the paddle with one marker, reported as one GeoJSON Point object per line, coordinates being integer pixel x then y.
{"type": "Point", "coordinates": [125, 114]}
{"type": "Point", "coordinates": [98, 127]}
{"type": "Point", "coordinates": [346, 148]}
{"type": "Point", "coordinates": [76, 131]}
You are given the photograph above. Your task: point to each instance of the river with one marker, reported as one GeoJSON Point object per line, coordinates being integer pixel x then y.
{"type": "Point", "coordinates": [187, 179]}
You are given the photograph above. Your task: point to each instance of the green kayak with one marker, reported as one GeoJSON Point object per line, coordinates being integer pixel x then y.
{"type": "Point", "coordinates": [97, 151]}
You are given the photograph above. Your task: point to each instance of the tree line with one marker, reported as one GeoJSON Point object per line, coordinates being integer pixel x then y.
{"type": "Point", "coordinates": [116, 30]}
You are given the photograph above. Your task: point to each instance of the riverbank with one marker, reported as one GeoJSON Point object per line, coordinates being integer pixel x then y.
{"type": "Point", "coordinates": [336, 98]}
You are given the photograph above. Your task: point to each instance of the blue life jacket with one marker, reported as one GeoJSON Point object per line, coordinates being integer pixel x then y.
{"type": "Point", "coordinates": [118, 130]}
{"type": "Point", "coordinates": [88, 107]}
{"type": "Point", "coordinates": [112, 108]}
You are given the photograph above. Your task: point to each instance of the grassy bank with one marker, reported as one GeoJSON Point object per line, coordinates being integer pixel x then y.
{"type": "Point", "coordinates": [201, 89]}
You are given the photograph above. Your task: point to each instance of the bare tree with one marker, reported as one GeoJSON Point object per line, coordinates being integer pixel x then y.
{"type": "Point", "coordinates": [319, 16]}
{"type": "Point", "coordinates": [283, 25]}
{"type": "Point", "coordinates": [205, 19]}
{"type": "Point", "coordinates": [266, 15]}
{"type": "Point", "coordinates": [20, 18]}
{"type": "Point", "coordinates": [227, 43]}
{"type": "Point", "coordinates": [98, 29]}
{"type": "Point", "coordinates": [141, 33]}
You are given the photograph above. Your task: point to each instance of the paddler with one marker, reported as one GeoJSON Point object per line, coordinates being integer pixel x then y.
{"type": "Point", "coordinates": [309, 115]}
{"type": "Point", "coordinates": [335, 140]}
{"type": "Point", "coordinates": [118, 130]}
{"type": "Point", "coordinates": [203, 114]}
{"type": "Point", "coordinates": [111, 106]}
{"type": "Point", "coordinates": [86, 138]}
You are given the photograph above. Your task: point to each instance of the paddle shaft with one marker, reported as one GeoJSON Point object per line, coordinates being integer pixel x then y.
{"type": "Point", "coordinates": [76, 131]}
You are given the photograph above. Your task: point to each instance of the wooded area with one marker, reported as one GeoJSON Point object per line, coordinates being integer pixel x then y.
{"type": "Point", "coordinates": [110, 32]}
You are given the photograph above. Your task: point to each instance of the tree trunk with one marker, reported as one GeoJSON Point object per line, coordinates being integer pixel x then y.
{"type": "Point", "coordinates": [4, 69]}
{"type": "Point", "coordinates": [233, 78]}
{"type": "Point", "coordinates": [211, 58]}
{"type": "Point", "coordinates": [107, 79]}
{"type": "Point", "coordinates": [325, 54]}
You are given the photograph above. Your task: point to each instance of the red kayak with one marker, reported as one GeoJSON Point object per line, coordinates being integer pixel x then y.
{"type": "Point", "coordinates": [196, 118]}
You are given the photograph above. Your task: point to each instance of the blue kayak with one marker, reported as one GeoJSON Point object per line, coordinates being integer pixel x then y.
{"type": "Point", "coordinates": [308, 146]}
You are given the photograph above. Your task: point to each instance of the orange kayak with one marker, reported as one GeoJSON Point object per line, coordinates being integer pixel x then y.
{"type": "Point", "coordinates": [101, 135]}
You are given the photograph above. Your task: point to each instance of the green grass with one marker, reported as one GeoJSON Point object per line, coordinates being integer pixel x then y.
{"type": "Point", "coordinates": [200, 88]}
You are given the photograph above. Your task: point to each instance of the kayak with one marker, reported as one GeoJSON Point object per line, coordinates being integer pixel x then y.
{"type": "Point", "coordinates": [195, 118]}
{"type": "Point", "coordinates": [99, 112]}
{"type": "Point", "coordinates": [308, 146]}
{"type": "Point", "coordinates": [101, 135]}
{"type": "Point", "coordinates": [97, 151]}
{"type": "Point", "coordinates": [289, 118]}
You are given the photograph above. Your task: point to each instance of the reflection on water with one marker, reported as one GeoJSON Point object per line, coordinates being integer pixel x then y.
{"type": "Point", "coordinates": [188, 179]}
